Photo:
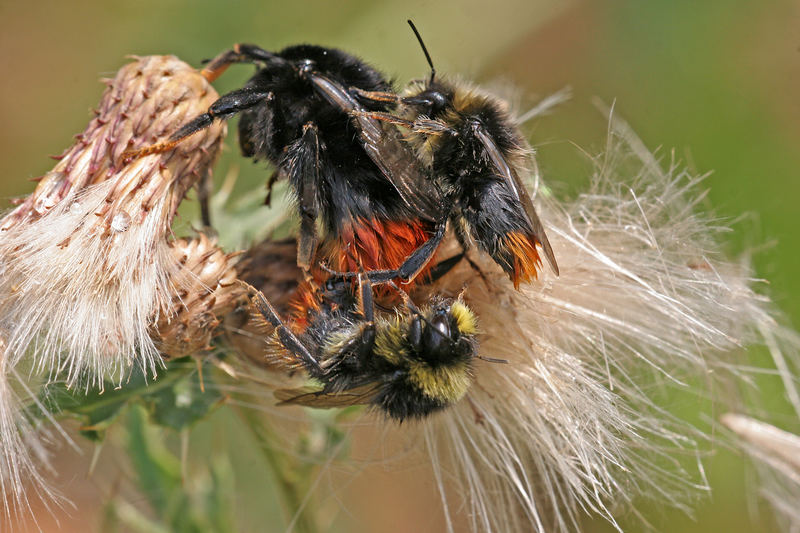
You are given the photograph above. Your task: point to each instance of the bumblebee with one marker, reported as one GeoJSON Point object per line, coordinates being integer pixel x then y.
{"type": "Point", "coordinates": [408, 366]}
{"type": "Point", "coordinates": [294, 112]}
{"type": "Point", "coordinates": [476, 155]}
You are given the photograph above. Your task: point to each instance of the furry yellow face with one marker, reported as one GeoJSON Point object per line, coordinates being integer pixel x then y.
{"type": "Point", "coordinates": [444, 379]}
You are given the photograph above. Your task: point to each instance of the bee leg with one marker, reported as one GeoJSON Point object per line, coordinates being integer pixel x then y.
{"type": "Point", "coordinates": [420, 257]}
{"type": "Point", "coordinates": [375, 96]}
{"type": "Point", "coordinates": [386, 117]}
{"type": "Point", "coordinates": [410, 268]}
{"type": "Point", "coordinates": [475, 267]}
{"type": "Point", "coordinates": [444, 266]}
{"type": "Point", "coordinates": [406, 299]}
{"type": "Point", "coordinates": [462, 235]}
{"type": "Point", "coordinates": [365, 304]}
{"type": "Point", "coordinates": [366, 307]}
{"type": "Point", "coordinates": [225, 107]}
{"type": "Point", "coordinates": [273, 178]}
{"type": "Point", "coordinates": [424, 126]}
{"type": "Point", "coordinates": [303, 167]}
{"type": "Point", "coordinates": [203, 190]}
{"type": "Point", "coordinates": [241, 53]}
{"type": "Point", "coordinates": [288, 339]}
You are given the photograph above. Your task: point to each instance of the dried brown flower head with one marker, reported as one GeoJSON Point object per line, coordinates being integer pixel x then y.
{"type": "Point", "coordinates": [207, 291]}
{"type": "Point", "coordinates": [85, 267]}
{"type": "Point", "coordinates": [271, 267]}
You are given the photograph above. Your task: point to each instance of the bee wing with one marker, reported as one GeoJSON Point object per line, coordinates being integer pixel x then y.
{"type": "Point", "coordinates": [387, 150]}
{"type": "Point", "coordinates": [519, 190]}
{"type": "Point", "coordinates": [360, 395]}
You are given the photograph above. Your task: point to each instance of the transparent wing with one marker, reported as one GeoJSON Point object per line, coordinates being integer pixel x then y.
{"type": "Point", "coordinates": [360, 395]}
{"type": "Point", "coordinates": [519, 190]}
{"type": "Point", "coordinates": [387, 150]}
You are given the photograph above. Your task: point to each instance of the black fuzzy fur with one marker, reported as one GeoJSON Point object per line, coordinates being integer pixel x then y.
{"type": "Point", "coordinates": [350, 186]}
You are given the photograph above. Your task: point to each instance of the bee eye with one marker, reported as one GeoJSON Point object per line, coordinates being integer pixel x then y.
{"type": "Point", "coordinates": [431, 102]}
{"type": "Point", "coordinates": [442, 325]}
{"type": "Point", "coordinates": [438, 102]}
{"type": "Point", "coordinates": [437, 339]}
{"type": "Point", "coordinates": [415, 333]}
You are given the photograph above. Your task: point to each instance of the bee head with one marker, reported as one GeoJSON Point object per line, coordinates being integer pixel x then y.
{"type": "Point", "coordinates": [432, 101]}
{"type": "Point", "coordinates": [443, 335]}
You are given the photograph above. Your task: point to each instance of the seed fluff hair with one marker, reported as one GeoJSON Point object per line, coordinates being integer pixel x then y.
{"type": "Point", "coordinates": [646, 302]}
{"type": "Point", "coordinates": [776, 455]}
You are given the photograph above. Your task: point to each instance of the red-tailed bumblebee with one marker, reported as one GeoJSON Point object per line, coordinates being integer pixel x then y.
{"type": "Point", "coordinates": [294, 112]}
{"type": "Point", "coordinates": [408, 366]}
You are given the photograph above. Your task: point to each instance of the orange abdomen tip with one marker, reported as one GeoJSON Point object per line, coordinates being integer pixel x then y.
{"type": "Point", "coordinates": [525, 258]}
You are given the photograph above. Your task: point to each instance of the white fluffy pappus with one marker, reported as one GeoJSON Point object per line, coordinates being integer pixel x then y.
{"type": "Point", "coordinates": [776, 455]}
{"type": "Point", "coordinates": [85, 264]}
{"type": "Point", "coordinates": [646, 302]}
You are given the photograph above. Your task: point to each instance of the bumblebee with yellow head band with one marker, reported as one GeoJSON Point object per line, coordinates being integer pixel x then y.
{"type": "Point", "coordinates": [408, 365]}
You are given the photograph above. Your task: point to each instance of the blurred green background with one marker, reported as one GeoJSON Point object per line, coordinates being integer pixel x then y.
{"type": "Point", "coordinates": [716, 81]}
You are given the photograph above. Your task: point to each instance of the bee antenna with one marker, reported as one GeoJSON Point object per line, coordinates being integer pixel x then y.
{"type": "Point", "coordinates": [492, 360]}
{"type": "Point", "coordinates": [424, 50]}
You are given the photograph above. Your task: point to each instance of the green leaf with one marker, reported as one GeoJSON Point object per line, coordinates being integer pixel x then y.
{"type": "Point", "coordinates": [199, 505]}
{"type": "Point", "coordinates": [158, 471]}
{"type": "Point", "coordinates": [175, 400]}
{"type": "Point", "coordinates": [183, 404]}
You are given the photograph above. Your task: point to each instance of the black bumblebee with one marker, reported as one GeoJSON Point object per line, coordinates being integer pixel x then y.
{"type": "Point", "coordinates": [408, 366]}
{"type": "Point", "coordinates": [295, 112]}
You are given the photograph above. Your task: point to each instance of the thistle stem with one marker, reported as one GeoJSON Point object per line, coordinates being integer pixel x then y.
{"type": "Point", "coordinates": [283, 467]}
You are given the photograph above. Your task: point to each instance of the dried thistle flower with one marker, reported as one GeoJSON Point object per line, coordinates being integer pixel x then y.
{"type": "Point", "coordinates": [85, 268]}
{"type": "Point", "coordinates": [270, 266]}
{"type": "Point", "coordinates": [206, 291]}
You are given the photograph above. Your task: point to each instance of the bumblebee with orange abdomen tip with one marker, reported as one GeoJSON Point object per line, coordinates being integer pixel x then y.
{"type": "Point", "coordinates": [475, 153]}
{"type": "Point", "coordinates": [323, 118]}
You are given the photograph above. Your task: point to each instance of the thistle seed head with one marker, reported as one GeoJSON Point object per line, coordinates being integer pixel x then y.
{"type": "Point", "coordinates": [776, 455]}
{"type": "Point", "coordinates": [207, 291]}
{"type": "Point", "coordinates": [646, 302]}
{"type": "Point", "coordinates": [271, 267]}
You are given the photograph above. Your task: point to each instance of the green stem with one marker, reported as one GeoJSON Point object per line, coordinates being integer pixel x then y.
{"type": "Point", "coordinates": [285, 471]}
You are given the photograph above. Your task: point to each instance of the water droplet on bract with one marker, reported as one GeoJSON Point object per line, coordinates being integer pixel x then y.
{"type": "Point", "coordinates": [121, 222]}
